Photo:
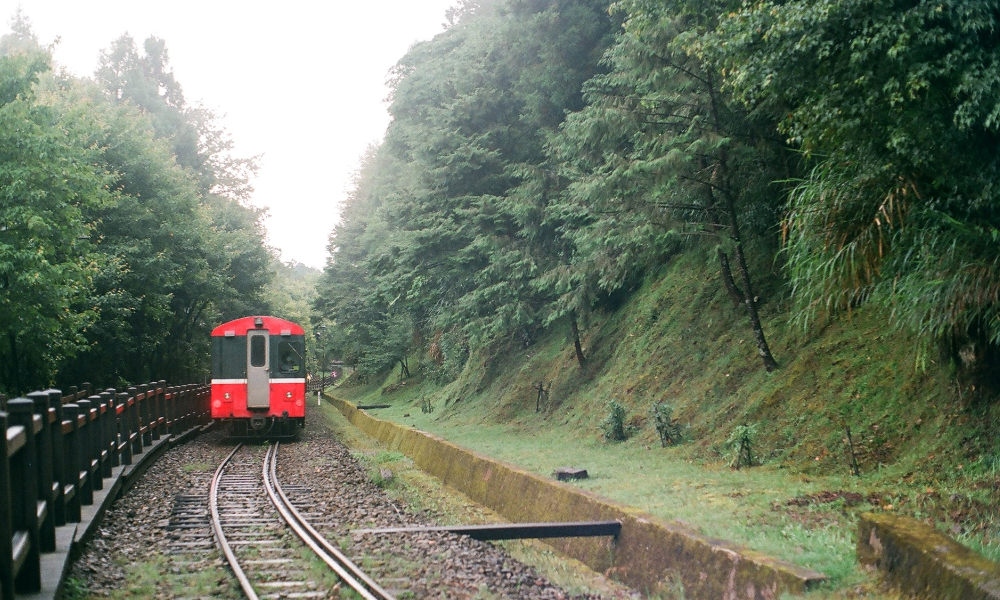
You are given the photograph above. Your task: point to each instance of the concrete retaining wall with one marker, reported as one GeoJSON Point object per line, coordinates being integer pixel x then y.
{"type": "Point", "coordinates": [920, 560]}
{"type": "Point", "coordinates": [649, 550]}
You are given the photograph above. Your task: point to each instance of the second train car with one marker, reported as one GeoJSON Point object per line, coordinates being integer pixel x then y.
{"type": "Point", "coordinates": [259, 377]}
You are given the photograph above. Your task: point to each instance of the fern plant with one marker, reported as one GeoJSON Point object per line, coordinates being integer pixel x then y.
{"type": "Point", "coordinates": [613, 425]}
{"type": "Point", "coordinates": [740, 444]}
{"type": "Point", "coordinates": [668, 427]}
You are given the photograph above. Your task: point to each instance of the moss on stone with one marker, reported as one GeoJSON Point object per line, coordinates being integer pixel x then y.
{"type": "Point", "coordinates": [921, 560]}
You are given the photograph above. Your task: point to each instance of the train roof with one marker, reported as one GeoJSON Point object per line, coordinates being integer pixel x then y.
{"type": "Point", "coordinates": [272, 325]}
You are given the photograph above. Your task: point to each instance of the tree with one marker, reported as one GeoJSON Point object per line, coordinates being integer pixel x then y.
{"type": "Point", "coordinates": [182, 250]}
{"type": "Point", "coordinates": [155, 273]}
{"type": "Point", "coordinates": [116, 259]}
{"type": "Point", "coordinates": [661, 154]}
{"type": "Point", "coordinates": [349, 300]}
{"type": "Point", "coordinates": [146, 81]}
{"type": "Point", "coordinates": [897, 105]}
{"type": "Point", "coordinates": [47, 184]}
{"type": "Point", "coordinates": [451, 238]}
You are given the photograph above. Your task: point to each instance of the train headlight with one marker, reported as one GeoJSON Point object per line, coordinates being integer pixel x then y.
{"type": "Point", "coordinates": [288, 394]}
{"type": "Point", "coordinates": [226, 396]}
{"type": "Point", "coordinates": [298, 403]}
{"type": "Point", "coordinates": [217, 403]}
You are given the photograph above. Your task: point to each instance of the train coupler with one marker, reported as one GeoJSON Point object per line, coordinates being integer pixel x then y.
{"type": "Point", "coordinates": [258, 422]}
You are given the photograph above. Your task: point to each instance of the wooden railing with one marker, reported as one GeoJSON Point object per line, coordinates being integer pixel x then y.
{"type": "Point", "coordinates": [58, 449]}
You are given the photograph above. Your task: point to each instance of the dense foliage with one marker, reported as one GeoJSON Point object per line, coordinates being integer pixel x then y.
{"type": "Point", "coordinates": [445, 234]}
{"type": "Point", "coordinates": [545, 155]}
{"type": "Point", "coordinates": [899, 104]}
{"type": "Point", "coordinates": [124, 233]}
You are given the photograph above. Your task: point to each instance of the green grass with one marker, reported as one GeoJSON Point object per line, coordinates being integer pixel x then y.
{"type": "Point", "coordinates": [718, 501]}
{"type": "Point", "coordinates": [73, 589]}
{"type": "Point", "coordinates": [923, 447]}
{"type": "Point", "coordinates": [197, 467]}
{"type": "Point", "coordinates": [159, 577]}
{"type": "Point", "coordinates": [375, 461]}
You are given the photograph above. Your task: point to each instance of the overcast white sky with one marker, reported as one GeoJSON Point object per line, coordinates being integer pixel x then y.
{"type": "Point", "coordinates": [300, 82]}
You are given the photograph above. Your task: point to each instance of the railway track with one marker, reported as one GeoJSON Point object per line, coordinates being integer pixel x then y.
{"type": "Point", "coordinates": [159, 540]}
{"type": "Point", "coordinates": [262, 534]}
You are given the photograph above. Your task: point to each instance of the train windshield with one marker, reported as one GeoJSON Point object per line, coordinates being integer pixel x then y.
{"type": "Point", "coordinates": [289, 358]}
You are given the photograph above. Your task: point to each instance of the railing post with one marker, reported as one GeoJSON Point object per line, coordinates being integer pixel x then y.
{"type": "Point", "coordinates": [75, 459]}
{"type": "Point", "coordinates": [97, 438]}
{"type": "Point", "coordinates": [161, 408]}
{"type": "Point", "coordinates": [6, 524]}
{"type": "Point", "coordinates": [107, 430]}
{"type": "Point", "coordinates": [58, 457]}
{"type": "Point", "coordinates": [114, 456]}
{"type": "Point", "coordinates": [182, 407]}
{"type": "Point", "coordinates": [170, 402]}
{"type": "Point", "coordinates": [195, 405]}
{"type": "Point", "coordinates": [187, 421]}
{"type": "Point", "coordinates": [204, 408]}
{"type": "Point", "coordinates": [161, 403]}
{"type": "Point", "coordinates": [157, 410]}
{"type": "Point", "coordinates": [206, 401]}
{"type": "Point", "coordinates": [144, 415]}
{"type": "Point", "coordinates": [153, 401]}
{"type": "Point", "coordinates": [47, 531]}
{"type": "Point", "coordinates": [134, 421]}
{"type": "Point", "coordinates": [25, 509]}
{"type": "Point", "coordinates": [192, 405]}
{"type": "Point", "coordinates": [124, 428]}
{"type": "Point", "coordinates": [88, 442]}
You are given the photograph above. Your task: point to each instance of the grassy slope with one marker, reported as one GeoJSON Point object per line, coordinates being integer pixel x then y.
{"type": "Point", "coordinates": [921, 450]}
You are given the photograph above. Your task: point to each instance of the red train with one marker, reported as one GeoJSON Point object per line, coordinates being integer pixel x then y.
{"type": "Point", "coordinates": [259, 377]}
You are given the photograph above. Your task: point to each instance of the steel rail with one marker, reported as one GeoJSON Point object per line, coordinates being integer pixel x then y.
{"type": "Point", "coordinates": [350, 573]}
{"type": "Point", "coordinates": [227, 550]}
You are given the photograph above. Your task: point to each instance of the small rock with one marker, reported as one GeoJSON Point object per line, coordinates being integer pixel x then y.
{"type": "Point", "coordinates": [567, 473]}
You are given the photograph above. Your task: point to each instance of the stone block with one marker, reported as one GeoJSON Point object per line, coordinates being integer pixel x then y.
{"type": "Point", "coordinates": [567, 473]}
{"type": "Point", "coordinates": [920, 560]}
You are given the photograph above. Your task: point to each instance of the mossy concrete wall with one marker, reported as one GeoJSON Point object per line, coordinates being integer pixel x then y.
{"type": "Point", "coordinates": [649, 551]}
{"type": "Point", "coordinates": [920, 560]}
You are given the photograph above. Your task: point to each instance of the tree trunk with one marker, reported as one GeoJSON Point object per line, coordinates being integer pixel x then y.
{"type": "Point", "coordinates": [721, 181]}
{"type": "Point", "coordinates": [751, 303]}
{"type": "Point", "coordinates": [580, 358]}
{"type": "Point", "coordinates": [735, 293]}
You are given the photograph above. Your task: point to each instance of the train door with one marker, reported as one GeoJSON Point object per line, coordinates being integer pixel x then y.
{"type": "Point", "coordinates": [258, 378]}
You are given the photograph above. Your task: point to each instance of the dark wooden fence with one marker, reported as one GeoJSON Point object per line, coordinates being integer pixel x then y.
{"type": "Point", "coordinates": [59, 448]}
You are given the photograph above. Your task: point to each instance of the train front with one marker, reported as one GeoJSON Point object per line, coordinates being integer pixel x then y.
{"type": "Point", "coordinates": [258, 377]}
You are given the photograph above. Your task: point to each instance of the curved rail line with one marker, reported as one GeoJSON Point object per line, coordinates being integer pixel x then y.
{"type": "Point", "coordinates": [348, 572]}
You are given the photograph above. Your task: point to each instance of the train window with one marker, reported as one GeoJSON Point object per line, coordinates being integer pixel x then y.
{"type": "Point", "coordinates": [258, 351]}
{"type": "Point", "coordinates": [289, 358]}
{"type": "Point", "coordinates": [229, 358]}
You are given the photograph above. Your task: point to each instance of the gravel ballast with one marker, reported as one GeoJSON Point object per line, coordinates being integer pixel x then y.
{"type": "Point", "coordinates": [139, 552]}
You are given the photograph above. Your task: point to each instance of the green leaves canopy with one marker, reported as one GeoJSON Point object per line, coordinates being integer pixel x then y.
{"type": "Point", "coordinates": [523, 179]}
{"type": "Point", "coordinates": [900, 103]}
{"type": "Point", "coordinates": [436, 232]}
{"type": "Point", "coordinates": [122, 236]}
{"type": "Point", "coordinates": [47, 185]}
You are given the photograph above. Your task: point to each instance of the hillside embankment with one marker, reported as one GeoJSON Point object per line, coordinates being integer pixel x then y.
{"type": "Point", "coordinates": [923, 438]}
